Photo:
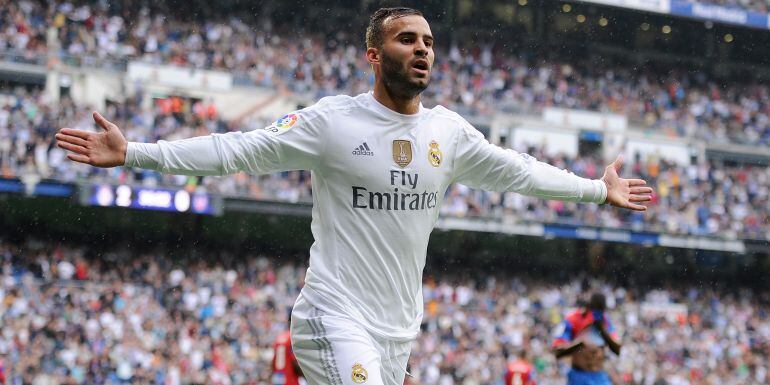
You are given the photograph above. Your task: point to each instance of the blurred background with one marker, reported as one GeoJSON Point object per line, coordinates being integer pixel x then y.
{"type": "Point", "coordinates": [127, 276]}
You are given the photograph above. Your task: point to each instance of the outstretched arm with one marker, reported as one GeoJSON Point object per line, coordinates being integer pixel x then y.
{"type": "Point", "coordinates": [483, 165]}
{"type": "Point", "coordinates": [286, 145]}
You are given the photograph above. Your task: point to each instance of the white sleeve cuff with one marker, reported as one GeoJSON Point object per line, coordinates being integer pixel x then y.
{"type": "Point", "coordinates": [601, 194]}
{"type": "Point", "coordinates": [593, 191]}
{"type": "Point", "coordinates": [142, 155]}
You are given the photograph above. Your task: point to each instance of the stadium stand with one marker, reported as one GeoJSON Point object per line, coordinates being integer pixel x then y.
{"type": "Point", "coordinates": [73, 313]}
{"type": "Point", "coordinates": [674, 100]}
{"type": "Point", "coordinates": [737, 204]}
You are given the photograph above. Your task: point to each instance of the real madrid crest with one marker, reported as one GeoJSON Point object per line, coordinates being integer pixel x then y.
{"type": "Point", "coordinates": [402, 152]}
{"type": "Point", "coordinates": [434, 154]}
{"type": "Point", "coordinates": [359, 374]}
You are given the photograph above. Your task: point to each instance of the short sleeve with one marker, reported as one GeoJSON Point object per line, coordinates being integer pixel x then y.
{"type": "Point", "coordinates": [564, 334]}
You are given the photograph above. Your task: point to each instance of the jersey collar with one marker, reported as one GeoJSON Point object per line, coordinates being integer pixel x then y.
{"type": "Point", "coordinates": [393, 114]}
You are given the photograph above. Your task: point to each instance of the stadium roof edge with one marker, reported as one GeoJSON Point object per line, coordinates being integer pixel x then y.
{"type": "Point", "coordinates": [692, 10]}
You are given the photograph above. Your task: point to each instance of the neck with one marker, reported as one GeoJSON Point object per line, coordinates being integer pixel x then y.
{"type": "Point", "coordinates": [407, 105]}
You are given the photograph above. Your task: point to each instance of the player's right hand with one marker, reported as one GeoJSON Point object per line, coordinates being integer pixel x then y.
{"type": "Point", "coordinates": [101, 149]}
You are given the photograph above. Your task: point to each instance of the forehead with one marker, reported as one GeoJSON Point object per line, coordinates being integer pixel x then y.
{"type": "Point", "coordinates": [412, 23]}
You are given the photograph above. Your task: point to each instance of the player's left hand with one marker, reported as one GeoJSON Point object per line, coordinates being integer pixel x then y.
{"type": "Point", "coordinates": [625, 193]}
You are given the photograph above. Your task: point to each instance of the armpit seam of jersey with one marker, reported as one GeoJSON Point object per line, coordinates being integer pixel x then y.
{"type": "Point", "coordinates": [459, 120]}
{"type": "Point", "coordinates": [322, 110]}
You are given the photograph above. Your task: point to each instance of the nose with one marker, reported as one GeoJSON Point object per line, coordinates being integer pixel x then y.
{"type": "Point", "coordinates": [420, 49]}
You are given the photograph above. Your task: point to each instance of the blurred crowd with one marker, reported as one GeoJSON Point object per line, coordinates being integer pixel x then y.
{"type": "Point", "coordinates": [702, 198]}
{"type": "Point", "coordinates": [72, 315]}
{"type": "Point", "coordinates": [28, 123]}
{"type": "Point", "coordinates": [475, 79]}
{"type": "Point", "coordinates": [139, 319]}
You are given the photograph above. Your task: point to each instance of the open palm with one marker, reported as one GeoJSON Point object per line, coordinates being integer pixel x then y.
{"type": "Point", "coordinates": [625, 193]}
{"type": "Point", "coordinates": [101, 149]}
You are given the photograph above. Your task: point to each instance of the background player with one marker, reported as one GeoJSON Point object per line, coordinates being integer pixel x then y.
{"type": "Point", "coordinates": [286, 370]}
{"type": "Point", "coordinates": [586, 333]}
{"type": "Point", "coordinates": [520, 371]}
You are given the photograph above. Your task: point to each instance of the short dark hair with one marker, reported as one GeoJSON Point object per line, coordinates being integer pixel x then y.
{"type": "Point", "coordinates": [597, 302]}
{"type": "Point", "coordinates": [374, 30]}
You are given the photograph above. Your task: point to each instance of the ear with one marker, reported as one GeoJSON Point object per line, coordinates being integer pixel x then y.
{"type": "Point", "coordinates": [373, 55]}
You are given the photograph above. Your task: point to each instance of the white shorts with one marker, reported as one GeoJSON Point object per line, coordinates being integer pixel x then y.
{"type": "Point", "coordinates": [334, 350]}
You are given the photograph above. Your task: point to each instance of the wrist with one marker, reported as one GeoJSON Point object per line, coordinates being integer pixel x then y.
{"type": "Point", "coordinates": [605, 191]}
{"type": "Point", "coordinates": [123, 153]}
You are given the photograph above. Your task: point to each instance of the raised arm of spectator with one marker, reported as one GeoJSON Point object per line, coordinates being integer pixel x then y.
{"type": "Point", "coordinates": [291, 143]}
{"type": "Point", "coordinates": [483, 165]}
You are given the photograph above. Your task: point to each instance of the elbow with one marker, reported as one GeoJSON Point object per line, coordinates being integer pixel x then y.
{"type": "Point", "coordinates": [529, 188]}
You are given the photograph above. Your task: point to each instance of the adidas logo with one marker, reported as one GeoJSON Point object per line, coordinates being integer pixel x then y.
{"type": "Point", "coordinates": [363, 149]}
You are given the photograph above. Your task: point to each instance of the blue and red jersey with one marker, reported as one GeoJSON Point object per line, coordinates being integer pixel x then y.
{"type": "Point", "coordinates": [579, 322]}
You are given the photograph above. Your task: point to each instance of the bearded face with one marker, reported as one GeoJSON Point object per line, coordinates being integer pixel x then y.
{"type": "Point", "coordinates": [401, 79]}
{"type": "Point", "coordinates": [406, 56]}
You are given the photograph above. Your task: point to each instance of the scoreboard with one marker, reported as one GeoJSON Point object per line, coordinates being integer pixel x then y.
{"type": "Point", "coordinates": [158, 199]}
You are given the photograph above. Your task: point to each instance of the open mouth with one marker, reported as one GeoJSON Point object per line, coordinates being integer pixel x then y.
{"type": "Point", "coordinates": [421, 66]}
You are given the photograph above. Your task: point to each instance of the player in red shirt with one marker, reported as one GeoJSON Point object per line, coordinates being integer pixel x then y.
{"type": "Point", "coordinates": [2, 372]}
{"type": "Point", "coordinates": [520, 371]}
{"type": "Point", "coordinates": [286, 369]}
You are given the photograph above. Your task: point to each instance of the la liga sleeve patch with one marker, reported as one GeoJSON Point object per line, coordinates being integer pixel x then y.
{"type": "Point", "coordinates": [283, 124]}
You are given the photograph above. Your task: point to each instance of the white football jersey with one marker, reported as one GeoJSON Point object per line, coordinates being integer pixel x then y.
{"type": "Point", "coordinates": [379, 178]}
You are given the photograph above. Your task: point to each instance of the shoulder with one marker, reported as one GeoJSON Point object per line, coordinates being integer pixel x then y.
{"type": "Point", "coordinates": [337, 101]}
{"type": "Point", "coordinates": [574, 316]}
{"type": "Point", "coordinates": [311, 116]}
{"type": "Point", "coordinates": [330, 104]}
{"type": "Point", "coordinates": [454, 121]}
{"type": "Point", "coordinates": [443, 113]}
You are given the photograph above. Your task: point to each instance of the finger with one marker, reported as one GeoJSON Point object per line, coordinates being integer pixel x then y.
{"type": "Point", "coordinates": [636, 207]}
{"type": "Point", "coordinates": [636, 182]}
{"type": "Point", "coordinates": [639, 198]}
{"type": "Point", "coordinates": [641, 190]}
{"type": "Point", "coordinates": [78, 158]}
{"type": "Point", "coordinates": [72, 140]}
{"type": "Point", "coordinates": [72, 147]}
{"type": "Point", "coordinates": [79, 133]}
{"type": "Point", "coordinates": [618, 163]}
{"type": "Point", "coordinates": [101, 121]}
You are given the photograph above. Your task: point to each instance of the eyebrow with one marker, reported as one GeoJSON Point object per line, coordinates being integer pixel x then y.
{"type": "Point", "coordinates": [412, 33]}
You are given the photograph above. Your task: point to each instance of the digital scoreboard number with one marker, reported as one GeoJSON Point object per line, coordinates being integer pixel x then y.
{"type": "Point", "coordinates": [158, 199]}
